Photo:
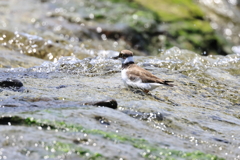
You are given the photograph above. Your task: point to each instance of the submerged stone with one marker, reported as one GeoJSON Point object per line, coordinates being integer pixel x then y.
{"type": "Point", "coordinates": [12, 84]}
{"type": "Point", "coordinates": [145, 116]}
{"type": "Point", "coordinates": [102, 120]}
{"type": "Point", "coordinates": [112, 103]}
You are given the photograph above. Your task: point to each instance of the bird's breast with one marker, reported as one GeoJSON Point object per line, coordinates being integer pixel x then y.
{"type": "Point", "coordinates": [124, 75]}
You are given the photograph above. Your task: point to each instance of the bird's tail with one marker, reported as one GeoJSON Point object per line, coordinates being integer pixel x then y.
{"type": "Point", "coordinates": [168, 83]}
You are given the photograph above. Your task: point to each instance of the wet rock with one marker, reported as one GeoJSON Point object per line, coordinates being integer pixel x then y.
{"type": "Point", "coordinates": [35, 99]}
{"type": "Point", "coordinates": [145, 116]}
{"type": "Point", "coordinates": [61, 86]}
{"type": "Point", "coordinates": [11, 120]}
{"type": "Point", "coordinates": [102, 120]}
{"type": "Point", "coordinates": [221, 140]}
{"type": "Point", "coordinates": [9, 105]}
{"type": "Point", "coordinates": [44, 1]}
{"type": "Point", "coordinates": [112, 103]}
{"type": "Point", "coordinates": [12, 84]}
{"type": "Point", "coordinates": [185, 27]}
{"type": "Point", "coordinates": [81, 141]}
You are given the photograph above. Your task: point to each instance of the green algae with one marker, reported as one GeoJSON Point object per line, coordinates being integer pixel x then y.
{"type": "Point", "coordinates": [183, 28]}
{"type": "Point", "coordinates": [187, 26]}
{"type": "Point", "coordinates": [173, 10]}
{"type": "Point", "coordinates": [82, 152]}
{"type": "Point", "coordinates": [139, 18]}
{"type": "Point", "coordinates": [149, 150]}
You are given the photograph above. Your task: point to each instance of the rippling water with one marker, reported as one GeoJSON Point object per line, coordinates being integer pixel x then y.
{"type": "Point", "coordinates": [47, 119]}
{"type": "Point", "coordinates": [200, 113]}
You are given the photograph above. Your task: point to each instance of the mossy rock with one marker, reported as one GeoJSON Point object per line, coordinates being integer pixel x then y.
{"type": "Point", "coordinates": [149, 150]}
{"type": "Point", "coordinates": [187, 27]}
{"type": "Point", "coordinates": [180, 28]}
{"type": "Point", "coordinates": [173, 10]}
{"type": "Point", "coordinates": [184, 21]}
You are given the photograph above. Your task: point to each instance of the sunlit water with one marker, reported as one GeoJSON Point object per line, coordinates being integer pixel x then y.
{"type": "Point", "coordinates": [201, 112]}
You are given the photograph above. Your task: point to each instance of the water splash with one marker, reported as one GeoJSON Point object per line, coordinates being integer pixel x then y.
{"type": "Point", "coordinates": [99, 65]}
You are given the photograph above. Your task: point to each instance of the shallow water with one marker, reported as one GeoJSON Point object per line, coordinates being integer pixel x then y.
{"type": "Point", "coordinates": [200, 113]}
{"type": "Point", "coordinates": [47, 118]}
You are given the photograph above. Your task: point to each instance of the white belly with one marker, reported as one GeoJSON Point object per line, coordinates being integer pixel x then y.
{"type": "Point", "coordinates": [137, 84]}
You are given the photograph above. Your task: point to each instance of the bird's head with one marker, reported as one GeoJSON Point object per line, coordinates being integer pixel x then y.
{"type": "Point", "coordinates": [125, 56]}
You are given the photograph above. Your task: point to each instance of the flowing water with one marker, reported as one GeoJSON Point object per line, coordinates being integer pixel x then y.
{"type": "Point", "coordinates": [48, 117]}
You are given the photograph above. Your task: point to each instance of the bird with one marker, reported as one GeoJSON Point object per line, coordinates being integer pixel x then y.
{"type": "Point", "coordinates": [134, 76]}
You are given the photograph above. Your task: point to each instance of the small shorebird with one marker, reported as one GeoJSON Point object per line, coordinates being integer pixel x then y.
{"type": "Point", "coordinates": [137, 77]}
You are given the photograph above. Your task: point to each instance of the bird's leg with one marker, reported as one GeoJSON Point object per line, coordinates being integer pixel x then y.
{"type": "Point", "coordinates": [145, 91]}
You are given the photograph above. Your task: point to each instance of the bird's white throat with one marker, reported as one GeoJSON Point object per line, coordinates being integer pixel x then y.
{"type": "Point", "coordinates": [127, 60]}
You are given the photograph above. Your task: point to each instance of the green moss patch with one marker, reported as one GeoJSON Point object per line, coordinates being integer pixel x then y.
{"type": "Point", "coordinates": [149, 150]}
{"type": "Point", "coordinates": [187, 27]}
{"type": "Point", "coordinates": [173, 10]}
{"type": "Point", "coordinates": [70, 147]}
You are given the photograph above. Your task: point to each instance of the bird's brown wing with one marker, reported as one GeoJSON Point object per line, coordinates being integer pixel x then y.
{"type": "Point", "coordinates": [134, 72]}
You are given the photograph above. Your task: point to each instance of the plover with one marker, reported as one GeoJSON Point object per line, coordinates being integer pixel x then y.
{"type": "Point", "coordinates": [136, 77]}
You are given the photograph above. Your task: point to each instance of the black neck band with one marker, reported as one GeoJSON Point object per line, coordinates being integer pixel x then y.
{"type": "Point", "coordinates": [127, 64]}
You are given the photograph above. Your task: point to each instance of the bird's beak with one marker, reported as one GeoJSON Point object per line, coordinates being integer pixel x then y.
{"type": "Point", "coordinates": [115, 57]}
